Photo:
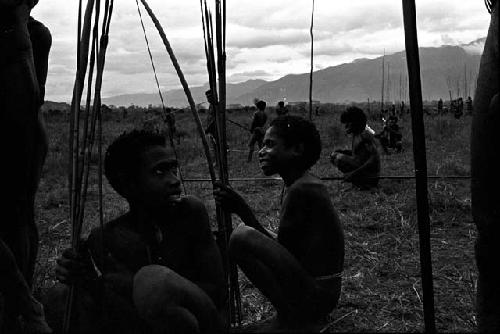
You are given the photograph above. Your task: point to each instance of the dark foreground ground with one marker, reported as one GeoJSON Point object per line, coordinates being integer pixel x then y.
{"type": "Point", "coordinates": [381, 285]}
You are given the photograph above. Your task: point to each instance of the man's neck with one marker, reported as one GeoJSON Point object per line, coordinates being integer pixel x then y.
{"type": "Point", "coordinates": [142, 216]}
{"type": "Point", "coordinates": [291, 176]}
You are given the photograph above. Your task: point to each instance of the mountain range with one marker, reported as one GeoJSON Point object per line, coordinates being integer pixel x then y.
{"type": "Point", "coordinates": [444, 70]}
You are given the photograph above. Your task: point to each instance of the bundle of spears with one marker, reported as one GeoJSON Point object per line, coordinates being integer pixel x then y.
{"type": "Point", "coordinates": [86, 125]}
{"type": "Point", "coordinates": [216, 68]}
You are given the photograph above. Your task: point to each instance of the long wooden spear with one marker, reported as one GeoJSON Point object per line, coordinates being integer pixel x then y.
{"type": "Point", "coordinates": [412, 58]}
{"type": "Point", "coordinates": [74, 159]}
{"type": "Point", "coordinates": [224, 223]}
{"type": "Point", "coordinates": [185, 87]}
{"type": "Point", "coordinates": [81, 153]}
{"type": "Point", "coordinates": [383, 82]}
{"type": "Point", "coordinates": [220, 23]}
{"type": "Point", "coordinates": [312, 60]}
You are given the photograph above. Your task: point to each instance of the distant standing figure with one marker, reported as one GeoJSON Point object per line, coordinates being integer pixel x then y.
{"type": "Point", "coordinates": [281, 110]}
{"type": "Point", "coordinates": [393, 109]}
{"type": "Point", "coordinates": [361, 164]}
{"type": "Point", "coordinates": [170, 122]}
{"type": "Point", "coordinates": [468, 106]}
{"type": "Point", "coordinates": [459, 111]}
{"type": "Point", "coordinates": [257, 128]}
{"type": "Point", "coordinates": [402, 109]}
{"type": "Point", "coordinates": [440, 107]}
{"type": "Point", "coordinates": [211, 126]}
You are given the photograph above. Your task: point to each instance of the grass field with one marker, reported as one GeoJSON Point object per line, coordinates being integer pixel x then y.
{"type": "Point", "coordinates": [381, 285]}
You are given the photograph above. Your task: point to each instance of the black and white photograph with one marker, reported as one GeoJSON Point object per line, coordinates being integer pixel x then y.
{"type": "Point", "coordinates": [249, 166]}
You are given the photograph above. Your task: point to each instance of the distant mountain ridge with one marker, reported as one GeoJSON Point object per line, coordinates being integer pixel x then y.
{"type": "Point", "coordinates": [177, 98]}
{"type": "Point", "coordinates": [443, 69]}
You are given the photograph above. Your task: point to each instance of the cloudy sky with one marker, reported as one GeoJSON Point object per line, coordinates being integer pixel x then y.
{"type": "Point", "coordinates": [266, 39]}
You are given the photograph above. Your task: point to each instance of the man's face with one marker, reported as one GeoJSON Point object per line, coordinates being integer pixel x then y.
{"type": "Point", "coordinates": [348, 127]}
{"type": "Point", "coordinates": [157, 183]}
{"type": "Point", "coordinates": [275, 157]}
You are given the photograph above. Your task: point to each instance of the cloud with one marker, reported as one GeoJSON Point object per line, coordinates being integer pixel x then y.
{"type": "Point", "coordinates": [475, 47]}
{"type": "Point", "coordinates": [244, 76]}
{"type": "Point", "coordinates": [250, 38]}
{"type": "Point", "coordinates": [265, 39]}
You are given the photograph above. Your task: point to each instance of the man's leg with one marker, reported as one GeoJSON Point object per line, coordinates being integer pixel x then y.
{"type": "Point", "coordinates": [168, 302]}
{"type": "Point", "coordinates": [260, 141]}
{"type": "Point", "coordinates": [384, 143]}
{"type": "Point", "coordinates": [107, 312]}
{"type": "Point", "coordinates": [251, 147]}
{"type": "Point", "coordinates": [274, 271]}
{"type": "Point", "coordinates": [17, 294]}
{"type": "Point", "coordinates": [345, 163]}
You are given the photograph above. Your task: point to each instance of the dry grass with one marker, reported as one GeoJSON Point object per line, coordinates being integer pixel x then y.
{"type": "Point", "coordinates": [381, 285]}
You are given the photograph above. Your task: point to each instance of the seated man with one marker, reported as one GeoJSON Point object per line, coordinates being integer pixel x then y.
{"type": "Point", "coordinates": [395, 135]}
{"type": "Point", "coordinates": [361, 164]}
{"type": "Point", "coordinates": [300, 269]}
{"type": "Point", "coordinates": [391, 136]}
{"type": "Point", "coordinates": [161, 269]}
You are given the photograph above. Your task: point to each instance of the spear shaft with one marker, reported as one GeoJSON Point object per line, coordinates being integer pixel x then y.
{"type": "Point", "coordinates": [412, 58]}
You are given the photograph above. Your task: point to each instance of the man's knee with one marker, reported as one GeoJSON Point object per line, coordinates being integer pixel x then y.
{"type": "Point", "coordinates": [240, 240]}
{"type": "Point", "coordinates": [154, 285]}
{"type": "Point", "coordinates": [161, 297]}
{"type": "Point", "coordinates": [85, 310]}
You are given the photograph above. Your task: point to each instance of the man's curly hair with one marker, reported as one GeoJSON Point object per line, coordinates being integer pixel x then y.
{"type": "Point", "coordinates": [296, 130]}
{"type": "Point", "coordinates": [124, 156]}
{"type": "Point", "coordinates": [356, 116]}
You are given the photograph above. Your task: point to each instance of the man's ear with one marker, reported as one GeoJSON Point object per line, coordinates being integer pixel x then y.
{"type": "Point", "coordinates": [298, 150]}
{"type": "Point", "coordinates": [128, 186]}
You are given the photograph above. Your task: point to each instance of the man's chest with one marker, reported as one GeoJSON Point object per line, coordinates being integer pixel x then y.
{"type": "Point", "coordinates": [173, 251]}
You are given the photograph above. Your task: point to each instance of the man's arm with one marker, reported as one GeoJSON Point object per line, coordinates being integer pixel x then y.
{"type": "Point", "coordinates": [109, 257]}
{"type": "Point", "coordinates": [41, 41]}
{"type": "Point", "coordinates": [369, 155]}
{"type": "Point", "coordinates": [254, 123]}
{"type": "Point", "coordinates": [234, 203]}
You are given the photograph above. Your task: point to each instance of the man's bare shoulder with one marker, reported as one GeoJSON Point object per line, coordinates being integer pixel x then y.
{"type": "Point", "coordinates": [121, 240]}
{"type": "Point", "coordinates": [308, 185]}
{"type": "Point", "coordinates": [191, 206]}
{"type": "Point", "coordinates": [192, 213]}
{"type": "Point", "coordinates": [116, 230]}
{"type": "Point", "coordinates": [367, 136]}
{"type": "Point", "coordinates": [39, 33]}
